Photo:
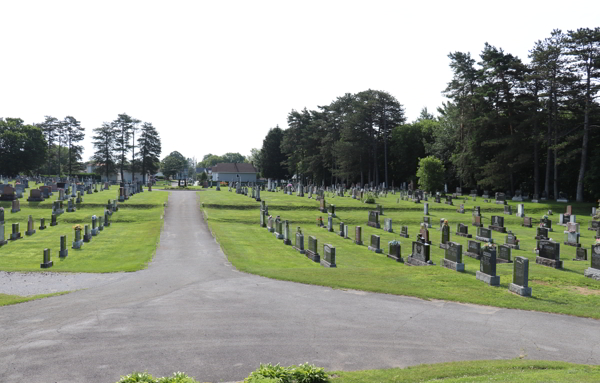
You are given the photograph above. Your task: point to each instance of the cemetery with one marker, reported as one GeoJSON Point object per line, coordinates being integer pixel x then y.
{"type": "Point", "coordinates": [43, 222]}
{"type": "Point", "coordinates": [373, 259]}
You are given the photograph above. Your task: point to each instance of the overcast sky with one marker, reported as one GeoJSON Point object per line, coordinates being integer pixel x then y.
{"type": "Point", "coordinates": [214, 76]}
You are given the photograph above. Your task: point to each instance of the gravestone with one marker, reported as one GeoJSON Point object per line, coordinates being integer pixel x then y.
{"type": "Point", "coordinates": [476, 211]}
{"type": "Point", "coordinates": [484, 235]}
{"type": "Point", "coordinates": [375, 241]}
{"type": "Point", "coordinates": [462, 230]}
{"type": "Point", "coordinates": [341, 231]}
{"type": "Point", "coordinates": [536, 198]}
{"type": "Point", "coordinates": [387, 225]}
{"type": "Point", "coordinates": [16, 232]}
{"type": "Point", "coordinates": [572, 238]}
{"type": "Point", "coordinates": [546, 223]}
{"type": "Point", "coordinates": [487, 267]}
{"type": "Point", "coordinates": [511, 241]}
{"type": "Point", "coordinates": [486, 194]}
{"type": "Point", "coordinates": [332, 207]}
{"type": "Point", "coordinates": [286, 233]}
{"type": "Point", "coordinates": [453, 257]}
{"type": "Point", "coordinates": [500, 199]}
{"type": "Point", "coordinates": [426, 209]}
{"type": "Point", "coordinates": [424, 235]}
{"type": "Point", "coordinates": [322, 206]}
{"type": "Point", "coordinates": [330, 224]}
{"type": "Point", "coordinates": [30, 229]}
{"type": "Point", "coordinates": [541, 233]}
{"type": "Point", "coordinates": [374, 219]}
{"type": "Point", "coordinates": [328, 259]}
{"type": "Point", "coordinates": [100, 223]}
{"type": "Point", "coordinates": [63, 252]}
{"type": "Point", "coordinates": [16, 206]}
{"type": "Point", "coordinates": [395, 251]}
{"type": "Point", "coordinates": [42, 223]}
{"type": "Point", "coordinates": [548, 254]}
{"type": "Point", "coordinates": [358, 235]}
{"type": "Point", "coordinates": [503, 255]}
{"type": "Point", "coordinates": [527, 222]}
{"type": "Point", "coordinates": [346, 232]}
{"type": "Point", "coordinates": [461, 209]}
{"type": "Point", "coordinates": [521, 210]}
{"type": "Point", "coordinates": [477, 221]}
{"type": "Point", "coordinates": [594, 225]}
{"type": "Point", "coordinates": [270, 224]}
{"type": "Point", "coordinates": [427, 221]}
{"type": "Point", "coordinates": [380, 209]}
{"type": "Point", "coordinates": [106, 218]}
{"type": "Point", "coordinates": [520, 281]}
{"type": "Point", "coordinates": [404, 232]}
{"type": "Point", "coordinates": [312, 251]}
{"type": "Point", "coordinates": [46, 263]}
{"type": "Point", "coordinates": [77, 242]}
{"type": "Point", "coordinates": [497, 224]}
{"type": "Point", "coordinates": [594, 270]}
{"type": "Point", "coordinates": [71, 206]}
{"type": "Point", "coordinates": [299, 241]}
{"type": "Point", "coordinates": [95, 229]}
{"type": "Point", "coordinates": [263, 222]}
{"type": "Point", "coordinates": [437, 199]}
{"type": "Point", "coordinates": [8, 193]}
{"type": "Point", "coordinates": [87, 235]}
{"type": "Point", "coordinates": [445, 237]}
{"type": "Point", "coordinates": [3, 240]}
{"type": "Point", "coordinates": [580, 254]}
{"type": "Point", "coordinates": [473, 249]}
{"type": "Point", "coordinates": [448, 200]}
{"type": "Point", "coordinates": [35, 195]}
{"type": "Point", "coordinates": [420, 255]}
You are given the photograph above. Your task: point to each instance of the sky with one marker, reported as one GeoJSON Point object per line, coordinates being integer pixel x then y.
{"type": "Point", "coordinates": [215, 76]}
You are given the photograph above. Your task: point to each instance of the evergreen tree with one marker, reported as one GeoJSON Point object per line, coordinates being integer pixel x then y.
{"type": "Point", "coordinates": [105, 143]}
{"type": "Point", "coordinates": [150, 148]}
{"type": "Point", "coordinates": [272, 158]}
{"type": "Point", "coordinates": [73, 133]}
{"type": "Point", "coordinates": [123, 126]}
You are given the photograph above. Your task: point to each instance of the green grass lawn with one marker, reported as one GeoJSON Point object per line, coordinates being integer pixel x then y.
{"type": "Point", "coordinates": [6, 299]}
{"type": "Point", "coordinates": [128, 244]}
{"type": "Point", "coordinates": [478, 371]}
{"type": "Point", "coordinates": [234, 220]}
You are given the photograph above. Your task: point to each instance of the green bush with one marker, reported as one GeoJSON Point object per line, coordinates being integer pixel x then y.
{"type": "Point", "coordinates": [137, 377]}
{"type": "Point", "coordinates": [369, 198]}
{"type": "Point", "coordinates": [309, 373]}
{"type": "Point", "coordinates": [304, 373]}
{"type": "Point", "coordinates": [178, 377]}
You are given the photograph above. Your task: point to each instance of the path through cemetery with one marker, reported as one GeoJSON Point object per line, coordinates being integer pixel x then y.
{"type": "Point", "coordinates": [192, 311]}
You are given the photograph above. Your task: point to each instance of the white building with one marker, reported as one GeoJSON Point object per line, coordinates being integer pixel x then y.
{"type": "Point", "coordinates": [234, 172]}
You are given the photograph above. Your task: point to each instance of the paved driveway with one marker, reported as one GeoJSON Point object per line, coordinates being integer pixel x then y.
{"type": "Point", "coordinates": [192, 311]}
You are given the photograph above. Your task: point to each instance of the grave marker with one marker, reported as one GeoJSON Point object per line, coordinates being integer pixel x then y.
{"type": "Point", "coordinates": [580, 254]}
{"type": "Point", "coordinates": [374, 219]}
{"type": "Point", "coordinates": [47, 263]}
{"type": "Point", "coordinates": [395, 251]}
{"type": "Point", "coordinates": [16, 232]}
{"type": "Point", "coordinates": [312, 251]}
{"type": "Point", "coordinates": [487, 267]}
{"type": "Point", "coordinates": [473, 249]}
{"type": "Point", "coordinates": [404, 232]}
{"type": "Point", "coordinates": [299, 241]}
{"type": "Point", "coordinates": [375, 241]}
{"type": "Point", "coordinates": [484, 235]}
{"type": "Point", "coordinates": [527, 222]}
{"type": "Point", "coordinates": [328, 259]}
{"type": "Point", "coordinates": [549, 254]}
{"type": "Point", "coordinates": [63, 252]}
{"type": "Point", "coordinates": [387, 223]}
{"type": "Point", "coordinates": [511, 241]}
{"type": "Point", "coordinates": [30, 229]}
{"type": "Point", "coordinates": [453, 257]}
{"type": "Point", "coordinates": [504, 253]}
{"type": "Point", "coordinates": [594, 270]}
{"type": "Point", "coordinates": [520, 281]}
{"type": "Point", "coordinates": [497, 224]}
{"type": "Point", "coordinates": [462, 230]}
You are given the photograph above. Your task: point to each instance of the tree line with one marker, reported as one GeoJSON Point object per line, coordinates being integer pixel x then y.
{"type": "Point", "coordinates": [507, 126]}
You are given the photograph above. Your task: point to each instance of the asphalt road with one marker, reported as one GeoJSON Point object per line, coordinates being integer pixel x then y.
{"type": "Point", "coordinates": [192, 311]}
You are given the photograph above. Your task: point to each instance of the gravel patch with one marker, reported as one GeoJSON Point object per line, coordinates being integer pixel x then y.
{"type": "Point", "coordinates": [25, 284]}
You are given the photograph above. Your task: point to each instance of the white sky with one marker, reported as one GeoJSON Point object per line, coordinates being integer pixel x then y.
{"type": "Point", "coordinates": [214, 76]}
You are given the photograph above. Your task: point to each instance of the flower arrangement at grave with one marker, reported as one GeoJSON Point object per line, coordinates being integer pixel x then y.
{"type": "Point", "coordinates": [394, 242]}
{"type": "Point", "coordinates": [77, 227]}
{"type": "Point", "coordinates": [489, 245]}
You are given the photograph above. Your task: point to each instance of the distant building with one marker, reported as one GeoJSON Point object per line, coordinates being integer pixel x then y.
{"type": "Point", "coordinates": [234, 172]}
{"type": "Point", "coordinates": [91, 168]}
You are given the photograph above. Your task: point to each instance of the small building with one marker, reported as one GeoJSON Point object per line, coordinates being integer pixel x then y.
{"type": "Point", "coordinates": [223, 172]}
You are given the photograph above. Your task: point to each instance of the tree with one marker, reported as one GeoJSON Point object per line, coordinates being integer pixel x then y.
{"type": "Point", "coordinates": [134, 123]}
{"type": "Point", "coordinates": [123, 126]}
{"type": "Point", "coordinates": [272, 158]}
{"type": "Point", "coordinates": [150, 148]}
{"type": "Point", "coordinates": [233, 158]}
{"type": "Point", "coordinates": [584, 47]}
{"type": "Point", "coordinates": [210, 160]}
{"type": "Point", "coordinates": [22, 147]}
{"type": "Point", "coordinates": [104, 143]}
{"type": "Point", "coordinates": [431, 174]}
{"type": "Point", "coordinates": [73, 133]}
{"type": "Point", "coordinates": [49, 130]}
{"type": "Point", "coordinates": [254, 158]}
{"type": "Point", "coordinates": [173, 164]}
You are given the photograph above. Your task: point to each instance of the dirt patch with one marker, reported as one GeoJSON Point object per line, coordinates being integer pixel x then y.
{"type": "Point", "coordinates": [585, 290]}
{"type": "Point", "coordinates": [543, 283]}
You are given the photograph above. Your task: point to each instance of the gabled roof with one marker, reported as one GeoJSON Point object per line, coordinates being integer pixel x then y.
{"type": "Point", "coordinates": [234, 168]}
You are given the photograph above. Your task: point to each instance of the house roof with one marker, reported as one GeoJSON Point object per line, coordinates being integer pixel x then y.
{"type": "Point", "coordinates": [234, 168]}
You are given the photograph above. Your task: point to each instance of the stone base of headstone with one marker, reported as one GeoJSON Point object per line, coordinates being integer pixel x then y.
{"type": "Point", "coordinates": [358, 242]}
{"type": "Point", "coordinates": [121, 198]}
{"type": "Point", "coordinates": [562, 200]}
{"type": "Point", "coordinates": [499, 229]}
{"type": "Point", "coordinates": [579, 259]}
{"type": "Point", "coordinates": [501, 260]}
{"type": "Point", "coordinates": [373, 224]}
{"type": "Point", "coordinates": [63, 253]}
{"type": "Point", "coordinates": [77, 244]}
{"type": "Point", "coordinates": [591, 228]}
{"type": "Point", "coordinates": [87, 238]}
{"type": "Point", "coordinates": [324, 263]}
{"type": "Point", "coordinates": [30, 232]}
{"type": "Point", "coordinates": [2, 243]}
{"type": "Point", "coordinates": [516, 247]}
{"type": "Point", "coordinates": [523, 225]}
{"type": "Point", "coordinates": [444, 246]}
{"type": "Point", "coordinates": [449, 203]}
{"type": "Point", "coordinates": [500, 202]}
{"type": "Point", "coordinates": [14, 237]}
{"type": "Point", "coordinates": [71, 209]}
{"type": "Point", "coordinates": [375, 249]}
{"type": "Point", "coordinates": [403, 235]}
{"type": "Point", "coordinates": [271, 229]}
{"type": "Point", "coordinates": [535, 201]}
{"type": "Point", "coordinates": [46, 265]}
{"type": "Point", "coordinates": [572, 244]}
{"type": "Point", "coordinates": [95, 231]}
{"type": "Point", "coordinates": [106, 224]}
{"type": "Point", "coordinates": [395, 258]}
{"type": "Point", "coordinates": [520, 215]}
{"type": "Point", "coordinates": [15, 210]}
{"type": "Point", "coordinates": [490, 280]}
{"type": "Point", "coordinates": [548, 262]}
{"type": "Point", "coordinates": [278, 235]}
{"type": "Point", "coordinates": [592, 273]}
{"type": "Point", "coordinates": [312, 255]}
{"type": "Point", "coordinates": [452, 265]}
{"type": "Point", "coordinates": [297, 249]}
{"type": "Point", "coordinates": [411, 261]}
{"type": "Point", "coordinates": [483, 239]}
{"type": "Point", "coordinates": [287, 242]}
{"type": "Point", "coordinates": [520, 290]}
{"type": "Point", "coordinates": [472, 255]}
{"type": "Point", "coordinates": [464, 235]}
{"type": "Point", "coordinates": [35, 199]}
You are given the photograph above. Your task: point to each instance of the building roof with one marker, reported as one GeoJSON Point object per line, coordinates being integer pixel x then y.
{"type": "Point", "coordinates": [234, 168]}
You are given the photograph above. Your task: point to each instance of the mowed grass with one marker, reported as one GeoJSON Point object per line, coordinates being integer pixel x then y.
{"type": "Point", "coordinates": [6, 299]}
{"type": "Point", "coordinates": [128, 244]}
{"type": "Point", "coordinates": [477, 371]}
{"type": "Point", "coordinates": [234, 220]}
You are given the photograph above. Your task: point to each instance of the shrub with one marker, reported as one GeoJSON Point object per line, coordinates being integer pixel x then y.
{"type": "Point", "coordinates": [370, 198]}
{"type": "Point", "coordinates": [137, 377]}
{"type": "Point", "coordinates": [277, 373]}
{"type": "Point", "coordinates": [308, 373]}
